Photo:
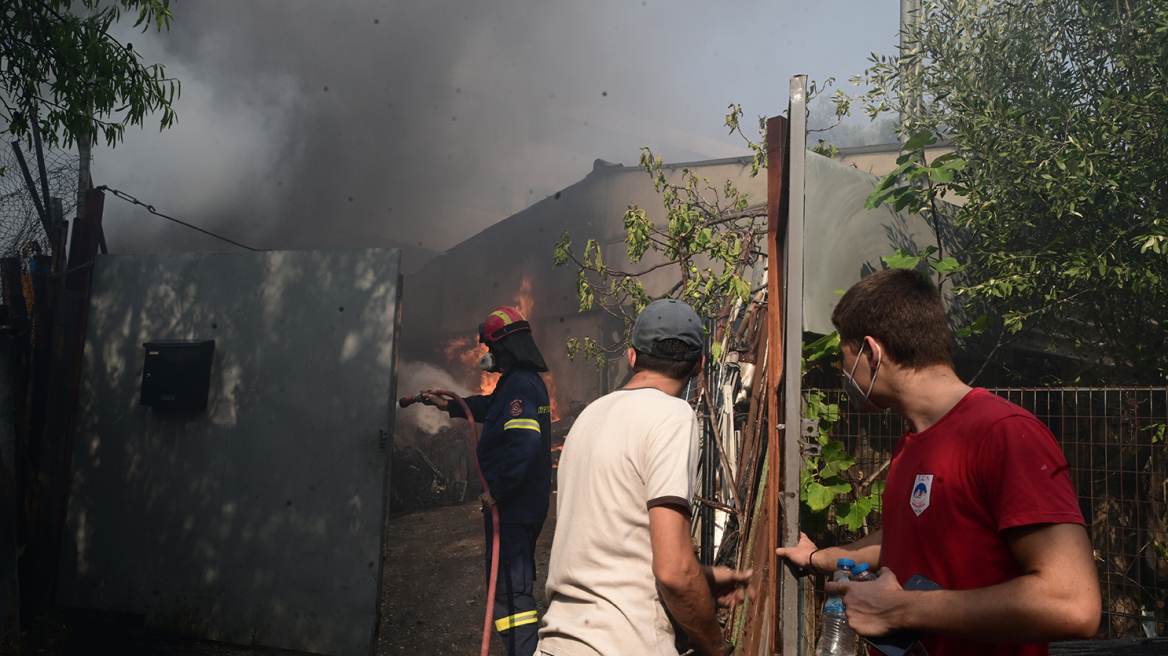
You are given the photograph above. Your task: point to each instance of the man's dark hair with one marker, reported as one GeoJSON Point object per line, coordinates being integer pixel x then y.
{"type": "Point", "coordinates": [675, 369]}
{"type": "Point", "coordinates": [903, 310]}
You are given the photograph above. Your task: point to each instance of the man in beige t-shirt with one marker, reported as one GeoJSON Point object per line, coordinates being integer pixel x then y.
{"type": "Point", "coordinates": [622, 559]}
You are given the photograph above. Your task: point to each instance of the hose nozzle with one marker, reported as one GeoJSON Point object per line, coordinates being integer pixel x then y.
{"type": "Point", "coordinates": [409, 400]}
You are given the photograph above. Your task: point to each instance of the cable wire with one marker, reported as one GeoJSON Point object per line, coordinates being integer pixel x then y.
{"type": "Point", "coordinates": [150, 208]}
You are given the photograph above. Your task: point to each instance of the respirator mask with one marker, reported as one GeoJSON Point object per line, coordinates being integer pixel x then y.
{"type": "Point", "coordinates": [489, 361]}
{"type": "Point", "coordinates": [860, 400]}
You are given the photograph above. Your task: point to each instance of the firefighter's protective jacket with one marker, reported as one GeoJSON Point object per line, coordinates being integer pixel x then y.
{"type": "Point", "coordinates": [514, 449]}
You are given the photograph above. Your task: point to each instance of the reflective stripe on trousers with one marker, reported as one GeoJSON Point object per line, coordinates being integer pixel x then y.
{"type": "Point", "coordinates": [516, 619]}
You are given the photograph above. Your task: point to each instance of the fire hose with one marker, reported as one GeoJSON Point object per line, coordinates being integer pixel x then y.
{"type": "Point", "coordinates": [474, 439]}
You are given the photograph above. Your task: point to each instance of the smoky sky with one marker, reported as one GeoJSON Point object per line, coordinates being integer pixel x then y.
{"type": "Point", "coordinates": [352, 124]}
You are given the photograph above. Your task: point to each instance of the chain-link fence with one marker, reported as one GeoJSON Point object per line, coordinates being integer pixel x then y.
{"type": "Point", "coordinates": [1115, 443]}
{"type": "Point", "coordinates": [20, 224]}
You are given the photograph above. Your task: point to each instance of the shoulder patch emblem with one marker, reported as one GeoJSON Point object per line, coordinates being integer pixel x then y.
{"type": "Point", "coordinates": [922, 490]}
{"type": "Point", "coordinates": [516, 407]}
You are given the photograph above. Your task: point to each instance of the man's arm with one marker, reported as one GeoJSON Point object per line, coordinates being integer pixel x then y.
{"type": "Point", "coordinates": [1055, 598]}
{"type": "Point", "coordinates": [682, 581]}
{"type": "Point", "coordinates": [478, 404]}
{"type": "Point", "coordinates": [864, 550]}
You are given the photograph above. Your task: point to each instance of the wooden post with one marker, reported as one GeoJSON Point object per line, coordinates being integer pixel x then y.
{"type": "Point", "coordinates": [11, 506]}
{"type": "Point", "coordinates": [70, 313]}
{"type": "Point", "coordinates": [778, 151]}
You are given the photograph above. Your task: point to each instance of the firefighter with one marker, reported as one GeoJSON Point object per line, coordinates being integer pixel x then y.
{"type": "Point", "coordinates": [514, 454]}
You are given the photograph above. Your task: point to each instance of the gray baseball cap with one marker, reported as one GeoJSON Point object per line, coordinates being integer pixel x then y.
{"type": "Point", "coordinates": [668, 319]}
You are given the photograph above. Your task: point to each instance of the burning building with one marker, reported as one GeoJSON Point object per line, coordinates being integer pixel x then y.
{"type": "Point", "coordinates": [510, 263]}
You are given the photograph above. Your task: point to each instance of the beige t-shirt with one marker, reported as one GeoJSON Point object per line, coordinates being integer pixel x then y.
{"type": "Point", "coordinates": [627, 451]}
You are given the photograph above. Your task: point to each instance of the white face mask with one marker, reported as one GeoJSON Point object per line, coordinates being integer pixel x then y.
{"type": "Point", "coordinates": [488, 362]}
{"type": "Point", "coordinates": [860, 400]}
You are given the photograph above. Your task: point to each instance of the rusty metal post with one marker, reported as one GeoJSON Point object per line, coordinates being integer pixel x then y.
{"type": "Point", "coordinates": [70, 314]}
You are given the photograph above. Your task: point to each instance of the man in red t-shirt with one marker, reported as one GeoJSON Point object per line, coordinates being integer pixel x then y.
{"type": "Point", "coordinates": [977, 499]}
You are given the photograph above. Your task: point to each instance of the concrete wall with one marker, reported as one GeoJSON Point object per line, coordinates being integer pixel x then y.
{"type": "Point", "coordinates": [260, 520]}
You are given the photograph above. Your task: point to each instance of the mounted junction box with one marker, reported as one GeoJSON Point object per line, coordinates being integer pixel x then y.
{"type": "Point", "coordinates": [177, 375]}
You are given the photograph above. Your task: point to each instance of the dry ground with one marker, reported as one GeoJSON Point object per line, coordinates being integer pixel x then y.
{"type": "Point", "coordinates": [435, 582]}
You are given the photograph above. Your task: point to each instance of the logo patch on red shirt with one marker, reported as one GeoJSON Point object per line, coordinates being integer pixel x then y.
{"type": "Point", "coordinates": [516, 407]}
{"type": "Point", "coordinates": [922, 490]}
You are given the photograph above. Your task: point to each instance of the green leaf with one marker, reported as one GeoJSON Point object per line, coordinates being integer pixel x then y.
{"type": "Point", "coordinates": [877, 496]}
{"type": "Point", "coordinates": [919, 140]}
{"type": "Point", "coordinates": [902, 260]}
{"type": "Point", "coordinates": [978, 326]}
{"type": "Point", "coordinates": [819, 496]}
{"type": "Point", "coordinates": [947, 266]}
{"type": "Point", "coordinates": [852, 515]}
{"type": "Point", "coordinates": [824, 347]}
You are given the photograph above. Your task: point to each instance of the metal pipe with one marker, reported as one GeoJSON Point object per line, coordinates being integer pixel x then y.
{"type": "Point", "coordinates": [42, 211]}
{"type": "Point", "coordinates": [790, 590]}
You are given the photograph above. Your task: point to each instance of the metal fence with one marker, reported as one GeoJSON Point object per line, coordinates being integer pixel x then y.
{"type": "Point", "coordinates": [1115, 444]}
{"type": "Point", "coordinates": [22, 234]}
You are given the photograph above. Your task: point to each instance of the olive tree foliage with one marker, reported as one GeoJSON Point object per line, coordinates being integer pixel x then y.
{"type": "Point", "coordinates": [1057, 110]}
{"type": "Point", "coordinates": [63, 74]}
{"type": "Point", "coordinates": [710, 236]}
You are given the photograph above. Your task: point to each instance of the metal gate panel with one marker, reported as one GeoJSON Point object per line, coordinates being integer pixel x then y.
{"type": "Point", "coordinates": [259, 520]}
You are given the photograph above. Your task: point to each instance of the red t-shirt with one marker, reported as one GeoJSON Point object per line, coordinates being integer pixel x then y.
{"type": "Point", "coordinates": [986, 466]}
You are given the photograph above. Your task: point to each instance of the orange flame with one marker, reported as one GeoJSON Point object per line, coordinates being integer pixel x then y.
{"type": "Point", "coordinates": [464, 352]}
{"type": "Point", "coordinates": [526, 305]}
{"type": "Point", "coordinates": [523, 301]}
{"type": "Point", "coordinates": [551, 387]}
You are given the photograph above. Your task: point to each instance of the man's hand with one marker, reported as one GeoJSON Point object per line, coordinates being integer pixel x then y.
{"type": "Point", "coordinates": [872, 606]}
{"type": "Point", "coordinates": [488, 502]}
{"type": "Point", "coordinates": [431, 397]}
{"type": "Point", "coordinates": [800, 554]}
{"type": "Point", "coordinates": [730, 587]}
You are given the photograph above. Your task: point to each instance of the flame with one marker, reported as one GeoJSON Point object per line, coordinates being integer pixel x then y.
{"type": "Point", "coordinates": [526, 305]}
{"type": "Point", "coordinates": [523, 301]}
{"type": "Point", "coordinates": [464, 352]}
{"type": "Point", "coordinates": [551, 387]}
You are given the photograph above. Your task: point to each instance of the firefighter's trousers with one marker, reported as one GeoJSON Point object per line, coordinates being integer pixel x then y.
{"type": "Point", "coordinates": [516, 620]}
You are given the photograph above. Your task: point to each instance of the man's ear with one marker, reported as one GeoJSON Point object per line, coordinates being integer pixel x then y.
{"type": "Point", "coordinates": [701, 363]}
{"type": "Point", "coordinates": [632, 356]}
{"type": "Point", "coordinates": [874, 350]}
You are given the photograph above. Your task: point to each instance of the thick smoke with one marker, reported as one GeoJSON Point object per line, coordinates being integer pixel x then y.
{"type": "Point", "coordinates": [417, 124]}
{"type": "Point", "coordinates": [414, 377]}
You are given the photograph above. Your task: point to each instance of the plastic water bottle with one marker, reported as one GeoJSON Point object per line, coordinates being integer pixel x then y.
{"type": "Point", "coordinates": [836, 638]}
{"type": "Point", "coordinates": [862, 572]}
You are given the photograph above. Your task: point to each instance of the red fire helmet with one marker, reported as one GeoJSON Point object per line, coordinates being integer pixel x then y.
{"type": "Point", "coordinates": [501, 322]}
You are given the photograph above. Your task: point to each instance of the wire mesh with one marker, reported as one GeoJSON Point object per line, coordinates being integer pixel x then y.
{"type": "Point", "coordinates": [1114, 440]}
{"type": "Point", "coordinates": [20, 225]}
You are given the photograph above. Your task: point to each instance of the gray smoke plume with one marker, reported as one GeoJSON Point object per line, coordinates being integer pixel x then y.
{"type": "Point", "coordinates": [362, 123]}
{"type": "Point", "coordinates": [414, 377]}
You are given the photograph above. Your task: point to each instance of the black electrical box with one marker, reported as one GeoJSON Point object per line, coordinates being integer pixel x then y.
{"type": "Point", "coordinates": [177, 375]}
